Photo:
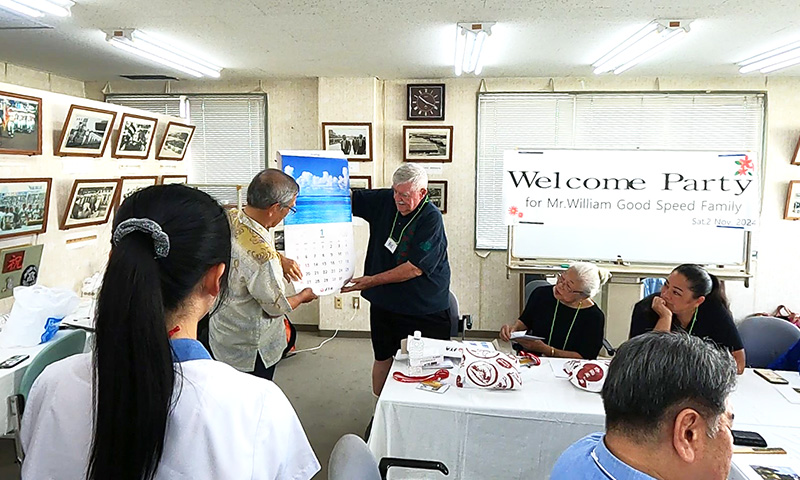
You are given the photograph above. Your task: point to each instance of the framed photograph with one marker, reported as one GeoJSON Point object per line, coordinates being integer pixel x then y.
{"type": "Point", "coordinates": [792, 211]}
{"type": "Point", "coordinates": [437, 192]}
{"type": "Point", "coordinates": [24, 205]}
{"type": "Point", "coordinates": [425, 101]}
{"type": "Point", "coordinates": [352, 139]}
{"type": "Point", "coordinates": [86, 132]}
{"type": "Point", "coordinates": [90, 202]}
{"type": "Point", "coordinates": [795, 159]}
{"type": "Point", "coordinates": [428, 144]}
{"type": "Point", "coordinates": [175, 142]}
{"type": "Point", "coordinates": [131, 185]}
{"type": "Point", "coordinates": [136, 134]}
{"type": "Point", "coordinates": [170, 179]}
{"type": "Point", "coordinates": [20, 124]}
{"type": "Point", "coordinates": [359, 182]}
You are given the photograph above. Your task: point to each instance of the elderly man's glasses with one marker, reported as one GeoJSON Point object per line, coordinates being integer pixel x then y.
{"type": "Point", "coordinates": [560, 279]}
{"type": "Point", "coordinates": [292, 210]}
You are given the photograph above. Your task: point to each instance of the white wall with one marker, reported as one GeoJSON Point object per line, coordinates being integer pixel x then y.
{"type": "Point", "coordinates": [62, 264]}
{"type": "Point", "coordinates": [296, 109]}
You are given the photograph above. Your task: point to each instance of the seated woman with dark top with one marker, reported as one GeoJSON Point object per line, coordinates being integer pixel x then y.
{"type": "Point", "coordinates": [692, 301]}
{"type": "Point", "coordinates": [564, 315]}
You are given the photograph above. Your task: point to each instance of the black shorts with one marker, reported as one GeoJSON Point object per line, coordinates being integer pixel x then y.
{"type": "Point", "coordinates": [389, 328]}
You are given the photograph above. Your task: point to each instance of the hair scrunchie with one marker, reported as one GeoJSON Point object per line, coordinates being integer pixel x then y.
{"type": "Point", "coordinates": [160, 238]}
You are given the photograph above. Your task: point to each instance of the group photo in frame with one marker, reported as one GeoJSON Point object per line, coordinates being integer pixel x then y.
{"type": "Point", "coordinates": [136, 135]}
{"type": "Point", "coordinates": [175, 141]}
{"type": "Point", "coordinates": [24, 204]}
{"type": "Point", "coordinates": [360, 182]}
{"type": "Point", "coordinates": [90, 202]}
{"type": "Point", "coordinates": [792, 210]}
{"type": "Point", "coordinates": [354, 140]}
{"type": "Point", "coordinates": [437, 193]}
{"type": "Point", "coordinates": [131, 185]}
{"type": "Point", "coordinates": [171, 179]}
{"type": "Point", "coordinates": [20, 124]}
{"type": "Point", "coordinates": [428, 144]}
{"type": "Point", "coordinates": [86, 132]}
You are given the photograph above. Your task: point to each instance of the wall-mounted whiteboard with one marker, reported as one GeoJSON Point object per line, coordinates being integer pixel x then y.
{"type": "Point", "coordinates": [717, 246]}
{"type": "Point", "coordinates": [664, 121]}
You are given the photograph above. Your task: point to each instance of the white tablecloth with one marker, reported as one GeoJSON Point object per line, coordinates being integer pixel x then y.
{"type": "Point", "coordinates": [482, 434]}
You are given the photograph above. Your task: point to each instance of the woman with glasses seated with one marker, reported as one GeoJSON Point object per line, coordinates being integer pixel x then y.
{"type": "Point", "coordinates": [693, 301]}
{"type": "Point", "coordinates": [149, 402]}
{"type": "Point", "coordinates": [570, 324]}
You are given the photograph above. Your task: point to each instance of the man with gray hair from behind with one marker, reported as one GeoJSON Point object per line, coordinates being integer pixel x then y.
{"type": "Point", "coordinates": [667, 414]}
{"type": "Point", "coordinates": [406, 272]}
{"type": "Point", "coordinates": [247, 332]}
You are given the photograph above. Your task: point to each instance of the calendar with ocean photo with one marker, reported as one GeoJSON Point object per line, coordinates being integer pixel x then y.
{"type": "Point", "coordinates": [319, 234]}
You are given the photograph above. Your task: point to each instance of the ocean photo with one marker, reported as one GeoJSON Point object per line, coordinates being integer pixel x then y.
{"type": "Point", "coordinates": [324, 195]}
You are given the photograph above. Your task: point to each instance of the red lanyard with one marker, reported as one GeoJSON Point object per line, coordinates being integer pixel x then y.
{"type": "Point", "coordinates": [440, 374]}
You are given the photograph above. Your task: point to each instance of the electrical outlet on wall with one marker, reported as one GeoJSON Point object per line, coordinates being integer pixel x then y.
{"type": "Point", "coordinates": [337, 303]}
{"type": "Point", "coordinates": [356, 302]}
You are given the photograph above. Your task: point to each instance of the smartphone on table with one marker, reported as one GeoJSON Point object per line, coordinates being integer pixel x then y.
{"type": "Point", "coordinates": [770, 376]}
{"type": "Point", "coordinates": [11, 362]}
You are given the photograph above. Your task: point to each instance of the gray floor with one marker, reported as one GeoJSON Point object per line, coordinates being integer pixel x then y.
{"type": "Point", "coordinates": [329, 388]}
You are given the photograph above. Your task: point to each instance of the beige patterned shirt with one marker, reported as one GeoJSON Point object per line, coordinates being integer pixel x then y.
{"type": "Point", "coordinates": [251, 320]}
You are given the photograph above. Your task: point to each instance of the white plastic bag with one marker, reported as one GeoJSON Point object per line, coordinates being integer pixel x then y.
{"type": "Point", "coordinates": [36, 314]}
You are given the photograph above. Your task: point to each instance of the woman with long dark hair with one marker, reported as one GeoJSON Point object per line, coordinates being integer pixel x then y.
{"type": "Point", "coordinates": [694, 301]}
{"type": "Point", "coordinates": [149, 403]}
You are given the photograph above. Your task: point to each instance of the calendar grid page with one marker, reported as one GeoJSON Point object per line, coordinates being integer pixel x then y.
{"type": "Point", "coordinates": [319, 236]}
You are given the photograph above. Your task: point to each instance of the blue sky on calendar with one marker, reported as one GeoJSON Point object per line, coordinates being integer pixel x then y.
{"type": "Point", "coordinates": [318, 176]}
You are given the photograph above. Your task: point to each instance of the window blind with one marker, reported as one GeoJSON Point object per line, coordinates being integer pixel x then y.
{"type": "Point", "coordinates": [162, 104]}
{"type": "Point", "coordinates": [619, 121]}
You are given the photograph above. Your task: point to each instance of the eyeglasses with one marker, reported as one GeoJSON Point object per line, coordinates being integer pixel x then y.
{"type": "Point", "coordinates": [292, 210]}
{"type": "Point", "coordinates": [560, 279]}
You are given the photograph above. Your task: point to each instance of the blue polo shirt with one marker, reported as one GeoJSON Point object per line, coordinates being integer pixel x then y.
{"type": "Point", "coordinates": [589, 459]}
{"type": "Point", "coordinates": [420, 240]}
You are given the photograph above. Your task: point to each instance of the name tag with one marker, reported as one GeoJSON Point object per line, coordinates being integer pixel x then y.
{"type": "Point", "coordinates": [390, 245]}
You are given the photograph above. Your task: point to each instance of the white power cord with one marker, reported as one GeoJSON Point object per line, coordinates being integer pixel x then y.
{"type": "Point", "coordinates": [324, 341]}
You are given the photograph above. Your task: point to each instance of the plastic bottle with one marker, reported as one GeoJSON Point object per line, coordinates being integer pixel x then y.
{"type": "Point", "coordinates": [416, 349]}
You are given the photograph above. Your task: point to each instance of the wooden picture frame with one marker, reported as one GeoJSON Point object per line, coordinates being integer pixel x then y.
{"type": "Point", "coordinates": [437, 193]}
{"type": "Point", "coordinates": [171, 179]}
{"type": "Point", "coordinates": [431, 143]}
{"type": "Point", "coordinates": [24, 206]}
{"type": "Point", "coordinates": [86, 132]}
{"type": "Point", "coordinates": [792, 208]}
{"type": "Point", "coordinates": [795, 159]}
{"type": "Point", "coordinates": [352, 139]}
{"type": "Point", "coordinates": [21, 128]}
{"type": "Point", "coordinates": [130, 185]}
{"type": "Point", "coordinates": [362, 182]}
{"type": "Point", "coordinates": [90, 202]}
{"type": "Point", "coordinates": [175, 141]}
{"type": "Point", "coordinates": [135, 137]}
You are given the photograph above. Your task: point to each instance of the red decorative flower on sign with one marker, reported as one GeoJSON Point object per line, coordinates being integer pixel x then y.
{"type": "Point", "coordinates": [513, 210]}
{"type": "Point", "coordinates": [519, 214]}
{"type": "Point", "coordinates": [745, 166]}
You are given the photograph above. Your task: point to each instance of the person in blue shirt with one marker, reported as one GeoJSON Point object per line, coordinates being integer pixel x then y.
{"type": "Point", "coordinates": [667, 414]}
{"type": "Point", "coordinates": [790, 360]}
{"type": "Point", "coordinates": [406, 272]}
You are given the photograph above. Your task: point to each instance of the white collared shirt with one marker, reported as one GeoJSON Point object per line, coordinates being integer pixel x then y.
{"type": "Point", "coordinates": [225, 425]}
{"type": "Point", "coordinates": [251, 319]}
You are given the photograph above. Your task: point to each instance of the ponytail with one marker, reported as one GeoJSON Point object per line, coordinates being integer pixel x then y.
{"type": "Point", "coordinates": [133, 371]}
{"type": "Point", "coordinates": [166, 238]}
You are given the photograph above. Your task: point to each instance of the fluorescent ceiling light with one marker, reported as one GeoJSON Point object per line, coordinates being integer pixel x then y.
{"type": "Point", "coordinates": [37, 8]}
{"type": "Point", "coordinates": [470, 39]}
{"type": "Point", "coordinates": [154, 49]}
{"type": "Point", "coordinates": [773, 60]}
{"type": "Point", "coordinates": [643, 44]}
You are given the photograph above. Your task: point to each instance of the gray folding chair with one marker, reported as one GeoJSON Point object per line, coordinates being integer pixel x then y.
{"type": "Point", "coordinates": [766, 338]}
{"type": "Point", "coordinates": [71, 343]}
{"type": "Point", "coordinates": [352, 460]}
{"type": "Point", "coordinates": [458, 324]}
{"type": "Point", "coordinates": [533, 285]}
